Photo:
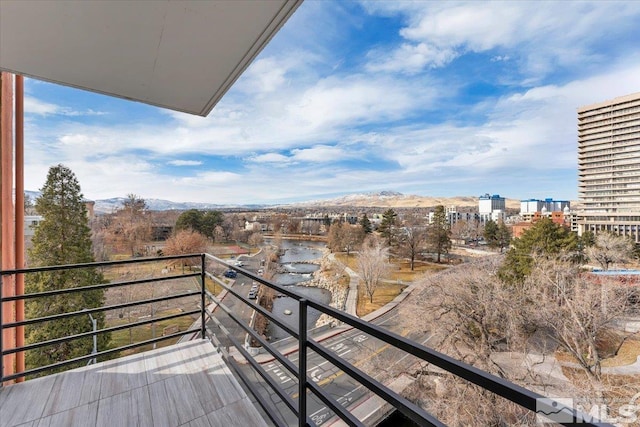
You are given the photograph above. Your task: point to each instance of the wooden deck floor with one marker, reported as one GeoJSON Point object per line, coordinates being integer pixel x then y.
{"type": "Point", "coordinates": [185, 384]}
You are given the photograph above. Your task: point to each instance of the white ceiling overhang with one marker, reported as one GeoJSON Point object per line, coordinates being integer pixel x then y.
{"type": "Point", "coordinates": [181, 55]}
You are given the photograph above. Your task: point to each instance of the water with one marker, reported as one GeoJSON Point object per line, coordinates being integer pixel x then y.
{"type": "Point", "coordinates": [300, 250]}
{"type": "Point", "coordinates": [293, 262]}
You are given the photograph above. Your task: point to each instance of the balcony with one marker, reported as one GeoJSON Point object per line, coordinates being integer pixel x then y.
{"type": "Point", "coordinates": [191, 382]}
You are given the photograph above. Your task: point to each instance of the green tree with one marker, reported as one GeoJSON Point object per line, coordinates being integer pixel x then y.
{"type": "Point", "coordinates": [366, 224]}
{"type": "Point", "coordinates": [503, 237]}
{"type": "Point", "coordinates": [491, 233]}
{"type": "Point", "coordinates": [190, 220]}
{"type": "Point", "coordinates": [387, 226]}
{"type": "Point", "coordinates": [62, 237]}
{"type": "Point", "coordinates": [545, 239]}
{"type": "Point", "coordinates": [210, 220]}
{"type": "Point", "coordinates": [439, 232]}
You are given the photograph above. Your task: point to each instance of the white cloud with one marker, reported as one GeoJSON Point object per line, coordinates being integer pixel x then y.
{"type": "Point", "coordinates": [295, 123]}
{"type": "Point", "coordinates": [270, 158]}
{"type": "Point", "coordinates": [545, 35]}
{"type": "Point", "coordinates": [33, 105]}
{"type": "Point", "coordinates": [410, 58]}
{"type": "Point", "coordinates": [185, 162]}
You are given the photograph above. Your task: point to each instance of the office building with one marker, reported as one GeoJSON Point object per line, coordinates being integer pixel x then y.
{"type": "Point", "coordinates": [609, 166]}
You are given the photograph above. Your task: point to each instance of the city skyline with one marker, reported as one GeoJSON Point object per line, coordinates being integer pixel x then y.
{"type": "Point", "coordinates": [433, 99]}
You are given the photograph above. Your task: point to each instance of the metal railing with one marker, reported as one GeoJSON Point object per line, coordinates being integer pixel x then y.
{"type": "Point", "coordinates": [83, 311]}
{"type": "Point", "coordinates": [305, 387]}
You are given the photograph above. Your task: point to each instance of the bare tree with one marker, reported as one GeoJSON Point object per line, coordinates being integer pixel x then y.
{"type": "Point", "coordinates": [466, 312]}
{"type": "Point", "coordinates": [412, 238]}
{"type": "Point", "coordinates": [353, 237]}
{"type": "Point", "coordinates": [576, 310]}
{"type": "Point", "coordinates": [335, 237]}
{"type": "Point", "coordinates": [609, 249]}
{"type": "Point", "coordinates": [186, 242]}
{"type": "Point", "coordinates": [255, 239]}
{"type": "Point", "coordinates": [467, 230]}
{"type": "Point", "coordinates": [373, 264]}
{"type": "Point", "coordinates": [130, 226]}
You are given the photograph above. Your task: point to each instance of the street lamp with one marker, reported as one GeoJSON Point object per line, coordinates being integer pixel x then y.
{"type": "Point", "coordinates": [94, 323]}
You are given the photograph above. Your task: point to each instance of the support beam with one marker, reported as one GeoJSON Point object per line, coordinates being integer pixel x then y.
{"type": "Point", "coordinates": [19, 211]}
{"type": "Point", "coordinates": [6, 213]}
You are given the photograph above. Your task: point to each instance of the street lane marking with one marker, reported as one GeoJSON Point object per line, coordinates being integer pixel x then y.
{"type": "Point", "coordinates": [404, 333]}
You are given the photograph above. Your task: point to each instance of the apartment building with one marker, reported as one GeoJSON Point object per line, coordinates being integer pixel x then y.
{"type": "Point", "coordinates": [609, 166]}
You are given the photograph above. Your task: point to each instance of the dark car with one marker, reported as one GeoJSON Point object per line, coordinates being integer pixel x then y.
{"type": "Point", "coordinates": [232, 274]}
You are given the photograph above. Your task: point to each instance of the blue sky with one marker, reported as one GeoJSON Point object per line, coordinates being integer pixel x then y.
{"type": "Point", "coordinates": [426, 98]}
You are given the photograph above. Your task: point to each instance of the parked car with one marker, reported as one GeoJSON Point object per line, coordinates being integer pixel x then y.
{"type": "Point", "coordinates": [232, 274]}
{"type": "Point", "coordinates": [253, 295]}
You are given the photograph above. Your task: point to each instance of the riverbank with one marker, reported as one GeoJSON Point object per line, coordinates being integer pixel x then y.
{"type": "Point", "coordinates": [327, 278]}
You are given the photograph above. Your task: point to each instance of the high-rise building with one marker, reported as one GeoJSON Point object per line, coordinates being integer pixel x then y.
{"type": "Point", "coordinates": [609, 166]}
{"type": "Point", "coordinates": [491, 207]}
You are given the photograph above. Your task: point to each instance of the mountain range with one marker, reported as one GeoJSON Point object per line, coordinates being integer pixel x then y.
{"type": "Point", "coordinates": [381, 199]}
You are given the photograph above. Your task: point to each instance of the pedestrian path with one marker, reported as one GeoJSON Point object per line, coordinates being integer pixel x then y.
{"type": "Point", "coordinates": [352, 296]}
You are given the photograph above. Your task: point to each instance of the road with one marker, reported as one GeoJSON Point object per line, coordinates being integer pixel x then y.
{"type": "Point", "coordinates": [359, 349]}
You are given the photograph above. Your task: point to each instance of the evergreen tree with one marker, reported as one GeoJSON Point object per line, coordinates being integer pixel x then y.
{"type": "Point", "coordinates": [366, 224]}
{"type": "Point", "coordinates": [190, 220]}
{"type": "Point", "coordinates": [62, 237]}
{"type": "Point", "coordinates": [503, 236]}
{"type": "Point", "coordinates": [491, 233]}
{"type": "Point", "coordinates": [545, 239]}
{"type": "Point", "coordinates": [387, 226]}
{"type": "Point", "coordinates": [439, 232]}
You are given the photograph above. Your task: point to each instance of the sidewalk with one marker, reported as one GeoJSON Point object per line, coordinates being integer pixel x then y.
{"type": "Point", "coordinates": [352, 297]}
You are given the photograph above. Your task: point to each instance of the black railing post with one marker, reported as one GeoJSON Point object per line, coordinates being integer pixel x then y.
{"type": "Point", "coordinates": [302, 363]}
{"type": "Point", "coordinates": [202, 295]}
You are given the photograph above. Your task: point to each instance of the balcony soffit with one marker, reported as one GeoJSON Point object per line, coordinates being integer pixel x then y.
{"type": "Point", "coordinates": [180, 55]}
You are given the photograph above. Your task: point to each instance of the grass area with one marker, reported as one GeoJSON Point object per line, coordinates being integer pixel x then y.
{"type": "Point", "coordinates": [142, 333]}
{"type": "Point", "coordinates": [403, 272]}
{"type": "Point", "coordinates": [385, 292]}
{"type": "Point", "coordinates": [388, 290]}
{"type": "Point", "coordinates": [628, 354]}
{"type": "Point", "coordinates": [400, 270]}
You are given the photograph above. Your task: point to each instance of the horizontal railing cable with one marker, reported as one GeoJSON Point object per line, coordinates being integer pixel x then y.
{"type": "Point", "coordinates": [190, 293]}
{"type": "Point", "coordinates": [46, 294]}
{"type": "Point", "coordinates": [100, 331]}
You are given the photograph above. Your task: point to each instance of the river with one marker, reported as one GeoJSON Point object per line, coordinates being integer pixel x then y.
{"type": "Point", "coordinates": [295, 262]}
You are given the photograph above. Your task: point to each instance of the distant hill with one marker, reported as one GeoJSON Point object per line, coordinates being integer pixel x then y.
{"type": "Point", "coordinates": [111, 205]}
{"type": "Point", "coordinates": [381, 199]}
{"type": "Point", "coordinates": [392, 199]}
